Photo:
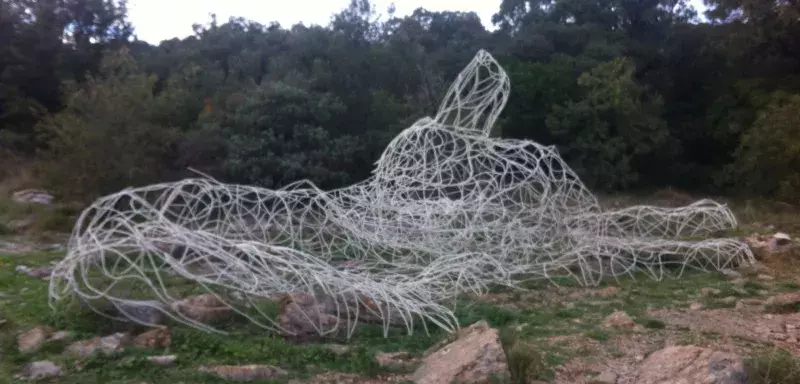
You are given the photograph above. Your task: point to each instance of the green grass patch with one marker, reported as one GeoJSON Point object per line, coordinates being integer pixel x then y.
{"type": "Point", "coordinates": [774, 367]}
{"type": "Point", "coordinates": [598, 335]}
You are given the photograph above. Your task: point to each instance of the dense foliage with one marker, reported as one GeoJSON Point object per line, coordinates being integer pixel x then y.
{"type": "Point", "coordinates": [634, 93]}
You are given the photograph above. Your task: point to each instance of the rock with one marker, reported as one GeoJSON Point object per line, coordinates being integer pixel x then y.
{"type": "Point", "coordinates": [35, 196]}
{"type": "Point", "coordinates": [730, 273]}
{"type": "Point", "coordinates": [782, 239]}
{"type": "Point", "coordinates": [607, 291]}
{"type": "Point", "coordinates": [40, 370]}
{"type": "Point", "coordinates": [338, 349]}
{"type": "Point", "coordinates": [244, 372]}
{"type": "Point", "coordinates": [205, 308]}
{"type": "Point", "coordinates": [395, 360]}
{"type": "Point", "coordinates": [691, 364]}
{"type": "Point", "coordinates": [59, 336]}
{"type": "Point", "coordinates": [20, 224]}
{"type": "Point", "coordinates": [149, 312]}
{"type": "Point", "coordinates": [728, 300]}
{"type": "Point", "coordinates": [302, 316]}
{"type": "Point", "coordinates": [474, 357]}
{"type": "Point", "coordinates": [779, 336]}
{"type": "Point", "coordinates": [109, 345]}
{"type": "Point", "coordinates": [606, 377]}
{"type": "Point", "coordinates": [154, 338]}
{"type": "Point", "coordinates": [765, 277]}
{"type": "Point", "coordinates": [33, 339]}
{"type": "Point", "coordinates": [36, 273]}
{"type": "Point", "coordinates": [620, 320]}
{"type": "Point", "coordinates": [165, 360]}
{"type": "Point", "coordinates": [695, 306]}
{"type": "Point", "coordinates": [709, 292]}
{"type": "Point", "coordinates": [764, 246]}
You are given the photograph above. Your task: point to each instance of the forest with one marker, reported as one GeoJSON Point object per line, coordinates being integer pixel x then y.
{"type": "Point", "coordinates": [634, 94]}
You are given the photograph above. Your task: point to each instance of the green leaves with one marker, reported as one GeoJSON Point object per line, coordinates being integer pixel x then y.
{"type": "Point", "coordinates": [614, 123]}
{"type": "Point", "coordinates": [105, 139]}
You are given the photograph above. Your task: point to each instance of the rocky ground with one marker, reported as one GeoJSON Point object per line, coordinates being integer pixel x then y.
{"type": "Point", "coordinates": [739, 326]}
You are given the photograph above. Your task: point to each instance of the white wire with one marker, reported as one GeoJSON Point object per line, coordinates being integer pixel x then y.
{"type": "Point", "coordinates": [447, 210]}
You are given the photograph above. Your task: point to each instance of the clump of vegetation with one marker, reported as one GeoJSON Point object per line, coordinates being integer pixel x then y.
{"type": "Point", "coordinates": [775, 367]}
{"type": "Point", "coordinates": [525, 361]}
{"type": "Point", "coordinates": [652, 323]}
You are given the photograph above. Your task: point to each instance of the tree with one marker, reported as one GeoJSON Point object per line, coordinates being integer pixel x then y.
{"type": "Point", "coordinates": [768, 156]}
{"type": "Point", "coordinates": [276, 135]}
{"type": "Point", "coordinates": [104, 139]}
{"type": "Point", "coordinates": [610, 132]}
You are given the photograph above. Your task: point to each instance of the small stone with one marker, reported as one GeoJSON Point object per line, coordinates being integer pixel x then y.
{"type": "Point", "coordinates": [204, 308]}
{"type": "Point", "coordinates": [619, 319]}
{"type": "Point", "coordinates": [40, 370]}
{"type": "Point", "coordinates": [59, 336]}
{"type": "Point", "coordinates": [791, 326]}
{"type": "Point", "coordinates": [708, 292]}
{"type": "Point", "coordinates": [395, 360]}
{"type": "Point", "coordinates": [779, 336]}
{"type": "Point", "coordinates": [147, 312]}
{"type": "Point", "coordinates": [639, 357]}
{"type": "Point", "coordinates": [762, 330]}
{"type": "Point", "coordinates": [765, 277]}
{"type": "Point", "coordinates": [730, 273]}
{"type": "Point", "coordinates": [32, 339]}
{"type": "Point", "coordinates": [32, 196]}
{"type": "Point", "coordinates": [696, 306]}
{"type": "Point", "coordinates": [252, 372]}
{"type": "Point", "coordinates": [782, 239]}
{"type": "Point", "coordinates": [154, 338]}
{"type": "Point", "coordinates": [165, 360]}
{"type": "Point", "coordinates": [728, 300]}
{"type": "Point", "coordinates": [338, 349]}
{"type": "Point", "coordinates": [768, 316]}
{"type": "Point", "coordinates": [608, 291]}
{"type": "Point", "coordinates": [108, 345]}
{"type": "Point", "coordinates": [606, 377]}
{"type": "Point", "coordinates": [36, 273]}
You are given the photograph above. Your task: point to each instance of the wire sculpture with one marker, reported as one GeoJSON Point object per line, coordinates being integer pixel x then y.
{"type": "Point", "coordinates": [448, 210]}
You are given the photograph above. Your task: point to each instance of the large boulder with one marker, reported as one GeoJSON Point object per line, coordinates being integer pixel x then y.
{"type": "Point", "coordinates": [476, 356]}
{"type": "Point", "coordinates": [691, 365]}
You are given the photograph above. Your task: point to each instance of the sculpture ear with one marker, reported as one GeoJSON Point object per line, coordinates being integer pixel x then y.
{"type": "Point", "coordinates": [476, 97]}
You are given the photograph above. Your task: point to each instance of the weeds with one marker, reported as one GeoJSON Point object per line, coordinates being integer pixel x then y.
{"type": "Point", "coordinates": [525, 361]}
{"type": "Point", "coordinates": [775, 367]}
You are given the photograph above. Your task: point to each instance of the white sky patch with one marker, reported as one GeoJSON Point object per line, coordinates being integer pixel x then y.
{"type": "Point", "coordinates": [157, 20]}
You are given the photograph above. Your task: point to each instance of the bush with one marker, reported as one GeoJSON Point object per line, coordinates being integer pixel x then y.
{"type": "Point", "coordinates": [768, 156]}
{"type": "Point", "coordinates": [104, 140]}
{"type": "Point", "coordinates": [525, 361]}
{"type": "Point", "coordinates": [776, 367]}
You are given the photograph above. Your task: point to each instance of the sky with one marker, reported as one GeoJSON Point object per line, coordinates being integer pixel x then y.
{"type": "Point", "coordinates": [157, 20]}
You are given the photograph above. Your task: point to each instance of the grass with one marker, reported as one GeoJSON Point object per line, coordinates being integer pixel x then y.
{"type": "Point", "coordinates": [773, 367]}
{"type": "Point", "coordinates": [538, 337]}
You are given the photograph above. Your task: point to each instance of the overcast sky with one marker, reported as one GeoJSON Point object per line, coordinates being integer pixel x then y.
{"type": "Point", "coordinates": [157, 20]}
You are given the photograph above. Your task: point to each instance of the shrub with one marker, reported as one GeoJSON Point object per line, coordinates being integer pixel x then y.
{"type": "Point", "coordinates": [104, 139]}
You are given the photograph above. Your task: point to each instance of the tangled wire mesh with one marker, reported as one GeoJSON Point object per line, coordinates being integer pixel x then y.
{"type": "Point", "coordinates": [448, 210]}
